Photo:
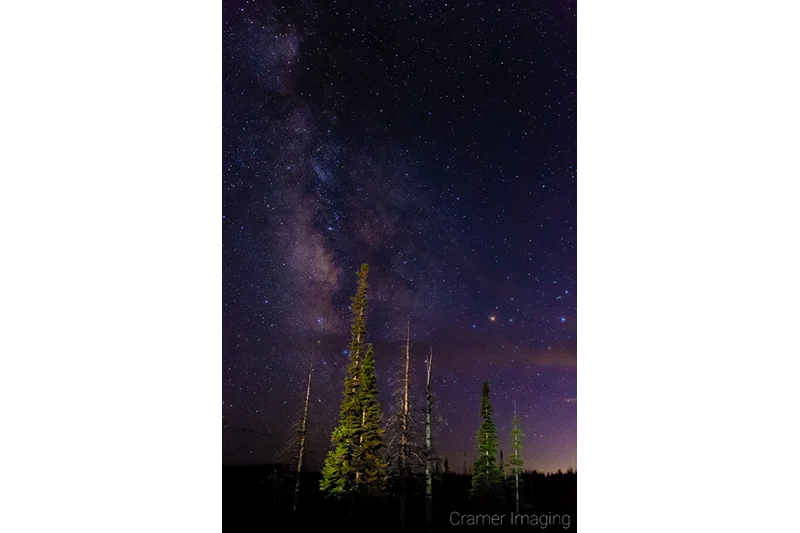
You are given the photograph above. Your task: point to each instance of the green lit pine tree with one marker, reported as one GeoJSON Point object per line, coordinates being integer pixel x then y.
{"type": "Point", "coordinates": [515, 462]}
{"type": "Point", "coordinates": [371, 468]}
{"type": "Point", "coordinates": [487, 483]}
{"type": "Point", "coordinates": [349, 467]}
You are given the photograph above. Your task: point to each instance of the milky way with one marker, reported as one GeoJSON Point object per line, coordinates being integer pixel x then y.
{"type": "Point", "coordinates": [436, 142]}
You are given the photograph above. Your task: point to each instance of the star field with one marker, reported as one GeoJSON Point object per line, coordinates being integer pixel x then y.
{"type": "Point", "coordinates": [435, 141]}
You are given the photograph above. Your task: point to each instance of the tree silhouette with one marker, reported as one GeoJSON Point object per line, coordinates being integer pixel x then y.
{"type": "Point", "coordinates": [429, 458]}
{"type": "Point", "coordinates": [403, 450]}
{"type": "Point", "coordinates": [302, 433]}
{"type": "Point", "coordinates": [486, 478]}
{"type": "Point", "coordinates": [515, 462]}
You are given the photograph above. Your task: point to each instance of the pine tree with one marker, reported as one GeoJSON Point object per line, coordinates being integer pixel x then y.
{"type": "Point", "coordinates": [343, 470]}
{"type": "Point", "coordinates": [369, 456]}
{"type": "Point", "coordinates": [486, 479]}
{"type": "Point", "coordinates": [515, 462]}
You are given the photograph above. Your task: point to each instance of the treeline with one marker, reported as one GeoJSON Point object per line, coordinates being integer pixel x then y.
{"type": "Point", "coordinates": [390, 464]}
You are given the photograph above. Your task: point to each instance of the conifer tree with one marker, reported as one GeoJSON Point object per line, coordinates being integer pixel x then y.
{"type": "Point", "coordinates": [341, 473]}
{"type": "Point", "coordinates": [370, 466]}
{"type": "Point", "coordinates": [486, 478]}
{"type": "Point", "coordinates": [515, 462]}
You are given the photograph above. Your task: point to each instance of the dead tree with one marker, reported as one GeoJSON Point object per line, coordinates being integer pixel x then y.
{"type": "Point", "coordinates": [516, 461]}
{"type": "Point", "coordinates": [295, 452]}
{"type": "Point", "coordinates": [428, 448]}
{"type": "Point", "coordinates": [402, 448]}
{"type": "Point", "coordinates": [303, 433]}
{"type": "Point", "coordinates": [404, 430]}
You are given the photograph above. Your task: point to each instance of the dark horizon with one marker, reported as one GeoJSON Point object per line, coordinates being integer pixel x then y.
{"type": "Point", "coordinates": [316, 471]}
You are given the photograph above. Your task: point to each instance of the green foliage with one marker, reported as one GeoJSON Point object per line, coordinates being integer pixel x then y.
{"type": "Point", "coordinates": [515, 462]}
{"type": "Point", "coordinates": [354, 464]}
{"type": "Point", "coordinates": [358, 306]}
{"type": "Point", "coordinates": [369, 460]}
{"type": "Point", "coordinates": [337, 474]}
{"type": "Point", "coordinates": [486, 477]}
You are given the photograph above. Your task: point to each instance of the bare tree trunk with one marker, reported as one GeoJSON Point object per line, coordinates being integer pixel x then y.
{"type": "Point", "coordinates": [428, 450]}
{"type": "Point", "coordinates": [274, 486]}
{"type": "Point", "coordinates": [303, 433]}
{"type": "Point", "coordinates": [404, 433]}
{"type": "Point", "coordinates": [516, 469]}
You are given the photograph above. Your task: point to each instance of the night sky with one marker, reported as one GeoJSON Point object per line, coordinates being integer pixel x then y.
{"type": "Point", "coordinates": [435, 141]}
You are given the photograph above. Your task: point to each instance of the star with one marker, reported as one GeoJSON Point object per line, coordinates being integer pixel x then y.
{"type": "Point", "coordinates": [352, 168]}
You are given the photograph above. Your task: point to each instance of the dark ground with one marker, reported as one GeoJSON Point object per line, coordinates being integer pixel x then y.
{"type": "Point", "coordinates": [259, 498]}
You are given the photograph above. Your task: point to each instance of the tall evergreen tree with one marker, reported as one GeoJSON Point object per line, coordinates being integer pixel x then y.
{"type": "Point", "coordinates": [515, 462]}
{"type": "Point", "coordinates": [343, 470]}
{"type": "Point", "coordinates": [370, 466]}
{"type": "Point", "coordinates": [486, 478]}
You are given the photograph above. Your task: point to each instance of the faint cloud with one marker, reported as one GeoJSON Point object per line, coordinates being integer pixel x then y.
{"type": "Point", "coordinates": [555, 358]}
